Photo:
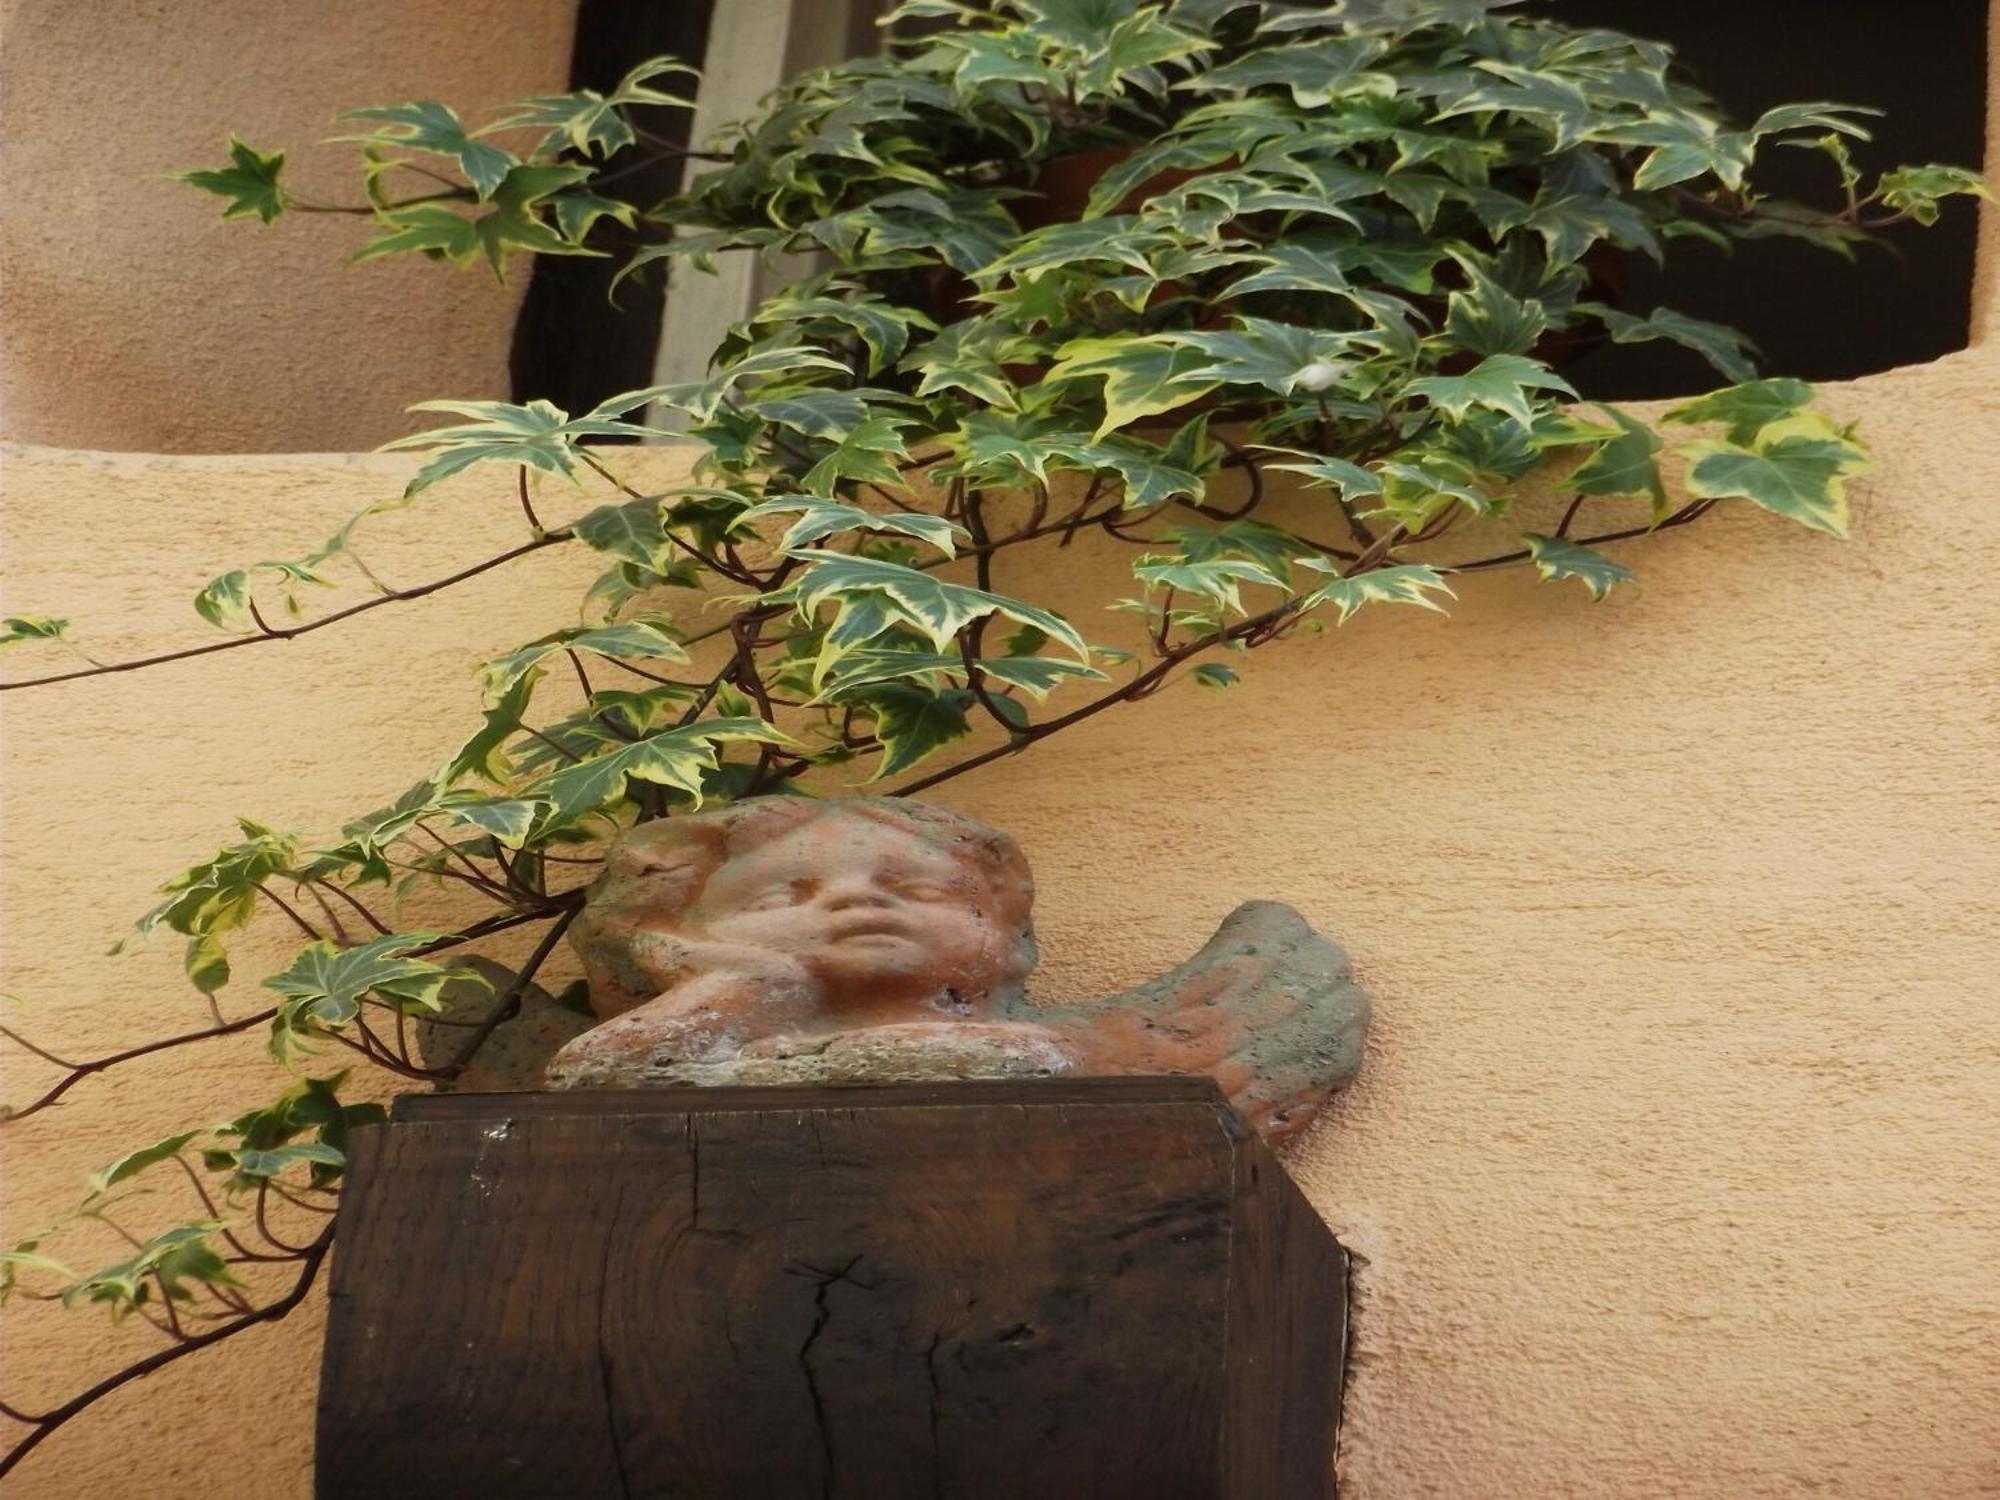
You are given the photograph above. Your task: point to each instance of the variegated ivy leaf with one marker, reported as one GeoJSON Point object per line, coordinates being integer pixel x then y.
{"type": "Point", "coordinates": [1920, 191]}
{"type": "Point", "coordinates": [249, 183]}
{"type": "Point", "coordinates": [1143, 375]}
{"type": "Point", "coordinates": [225, 601]}
{"type": "Point", "coordinates": [425, 125]}
{"type": "Point", "coordinates": [1280, 357]}
{"type": "Point", "coordinates": [882, 326]}
{"type": "Point", "coordinates": [819, 519]}
{"type": "Point", "coordinates": [1747, 408]}
{"type": "Point", "coordinates": [324, 986]}
{"type": "Point", "coordinates": [1797, 467]}
{"type": "Point", "coordinates": [1627, 464]}
{"type": "Point", "coordinates": [220, 894]}
{"type": "Point", "coordinates": [869, 453]}
{"type": "Point", "coordinates": [912, 721]}
{"type": "Point", "coordinates": [1150, 475]}
{"type": "Point", "coordinates": [1329, 471]}
{"type": "Point", "coordinates": [1214, 674]}
{"type": "Point", "coordinates": [267, 1139]}
{"type": "Point", "coordinates": [1038, 676]}
{"type": "Point", "coordinates": [1216, 578]}
{"type": "Point", "coordinates": [164, 1264]}
{"type": "Point", "coordinates": [678, 758]}
{"type": "Point", "coordinates": [1293, 267]}
{"type": "Point", "coordinates": [539, 435]}
{"type": "Point", "coordinates": [1405, 583]}
{"type": "Point", "coordinates": [971, 356]}
{"type": "Point", "coordinates": [1489, 319]}
{"type": "Point", "coordinates": [702, 399]}
{"type": "Point", "coordinates": [1723, 347]}
{"type": "Point", "coordinates": [873, 596]}
{"type": "Point", "coordinates": [589, 122]}
{"type": "Point", "coordinates": [17, 630]}
{"type": "Point", "coordinates": [1499, 381]}
{"type": "Point", "coordinates": [1557, 558]}
{"type": "Point", "coordinates": [630, 640]}
{"type": "Point", "coordinates": [134, 1162]}
{"type": "Point", "coordinates": [1317, 72]}
{"type": "Point", "coordinates": [511, 820]}
{"type": "Point", "coordinates": [511, 221]}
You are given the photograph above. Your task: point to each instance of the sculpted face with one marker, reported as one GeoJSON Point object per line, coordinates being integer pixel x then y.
{"type": "Point", "coordinates": [866, 908]}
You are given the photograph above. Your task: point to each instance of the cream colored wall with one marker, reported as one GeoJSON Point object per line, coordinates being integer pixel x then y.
{"type": "Point", "coordinates": [1672, 1165]}
{"type": "Point", "coordinates": [137, 320]}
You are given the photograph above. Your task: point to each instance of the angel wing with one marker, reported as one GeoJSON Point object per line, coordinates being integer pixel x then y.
{"type": "Point", "coordinates": [1268, 1007]}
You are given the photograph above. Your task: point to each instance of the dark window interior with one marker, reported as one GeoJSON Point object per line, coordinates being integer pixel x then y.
{"type": "Point", "coordinates": [1811, 313]}
{"type": "Point", "coordinates": [572, 345]}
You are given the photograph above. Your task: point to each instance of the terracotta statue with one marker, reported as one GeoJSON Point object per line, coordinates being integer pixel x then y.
{"type": "Point", "coordinates": [781, 940]}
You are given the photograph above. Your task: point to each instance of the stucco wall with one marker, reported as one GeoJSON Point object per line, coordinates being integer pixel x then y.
{"type": "Point", "coordinates": [137, 320]}
{"type": "Point", "coordinates": [1672, 1164]}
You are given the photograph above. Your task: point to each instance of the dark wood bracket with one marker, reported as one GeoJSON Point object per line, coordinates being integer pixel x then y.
{"type": "Point", "coordinates": [1062, 1288]}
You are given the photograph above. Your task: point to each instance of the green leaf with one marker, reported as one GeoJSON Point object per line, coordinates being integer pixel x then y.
{"type": "Point", "coordinates": [912, 721]}
{"type": "Point", "coordinates": [134, 1162]}
{"type": "Point", "coordinates": [16, 630]}
{"type": "Point", "coordinates": [1920, 191]}
{"type": "Point", "coordinates": [207, 963]}
{"type": "Point", "coordinates": [869, 453]}
{"type": "Point", "coordinates": [1488, 319]}
{"type": "Point", "coordinates": [484, 754]}
{"type": "Point", "coordinates": [1405, 583]}
{"type": "Point", "coordinates": [882, 326]}
{"type": "Point", "coordinates": [249, 182]}
{"type": "Point", "coordinates": [225, 602]}
{"type": "Point", "coordinates": [1037, 676]}
{"type": "Point", "coordinates": [1142, 376]}
{"type": "Point", "coordinates": [1215, 674]}
{"type": "Point", "coordinates": [630, 640]}
{"type": "Point", "coordinates": [426, 125]}
{"type": "Point", "coordinates": [1626, 465]}
{"type": "Point", "coordinates": [1326, 470]}
{"type": "Point", "coordinates": [1721, 346]}
{"type": "Point", "coordinates": [168, 1260]}
{"type": "Point", "coordinates": [1500, 381]}
{"type": "Point", "coordinates": [1281, 357]}
{"type": "Point", "coordinates": [252, 1162]}
{"type": "Point", "coordinates": [1797, 468]}
{"type": "Point", "coordinates": [220, 894]}
{"type": "Point", "coordinates": [539, 435]}
{"type": "Point", "coordinates": [513, 222]}
{"type": "Point", "coordinates": [819, 519]}
{"type": "Point", "coordinates": [1293, 267]}
{"type": "Point", "coordinates": [677, 758]}
{"type": "Point", "coordinates": [324, 986]}
{"type": "Point", "coordinates": [588, 122]}
{"type": "Point", "coordinates": [1747, 408]}
{"type": "Point", "coordinates": [880, 595]}
{"type": "Point", "coordinates": [1558, 558]}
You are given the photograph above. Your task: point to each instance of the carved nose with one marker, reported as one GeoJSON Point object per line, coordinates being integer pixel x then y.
{"type": "Point", "coordinates": [847, 894]}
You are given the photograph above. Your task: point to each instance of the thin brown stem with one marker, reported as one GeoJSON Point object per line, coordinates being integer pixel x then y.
{"type": "Point", "coordinates": [47, 1422]}
{"type": "Point", "coordinates": [291, 632]}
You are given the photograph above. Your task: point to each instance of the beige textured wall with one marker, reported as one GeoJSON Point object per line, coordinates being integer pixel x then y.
{"type": "Point", "coordinates": [137, 320]}
{"type": "Point", "coordinates": [1673, 1160]}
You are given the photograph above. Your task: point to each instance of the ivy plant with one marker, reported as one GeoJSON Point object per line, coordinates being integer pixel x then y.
{"type": "Point", "coordinates": [1077, 266]}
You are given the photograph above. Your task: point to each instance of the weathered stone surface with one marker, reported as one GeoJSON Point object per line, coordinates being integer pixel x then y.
{"type": "Point", "coordinates": [780, 940]}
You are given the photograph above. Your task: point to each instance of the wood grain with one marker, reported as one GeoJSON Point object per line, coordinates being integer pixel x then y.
{"type": "Point", "coordinates": [1096, 1287]}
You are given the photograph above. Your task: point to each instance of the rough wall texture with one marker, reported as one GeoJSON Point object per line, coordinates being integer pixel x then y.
{"type": "Point", "coordinates": [1672, 1162]}
{"type": "Point", "coordinates": [137, 320]}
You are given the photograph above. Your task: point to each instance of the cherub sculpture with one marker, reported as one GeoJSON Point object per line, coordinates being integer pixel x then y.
{"type": "Point", "coordinates": [782, 940]}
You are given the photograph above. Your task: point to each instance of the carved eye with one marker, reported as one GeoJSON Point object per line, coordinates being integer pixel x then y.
{"type": "Point", "coordinates": [922, 890]}
{"type": "Point", "coordinates": [778, 896]}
